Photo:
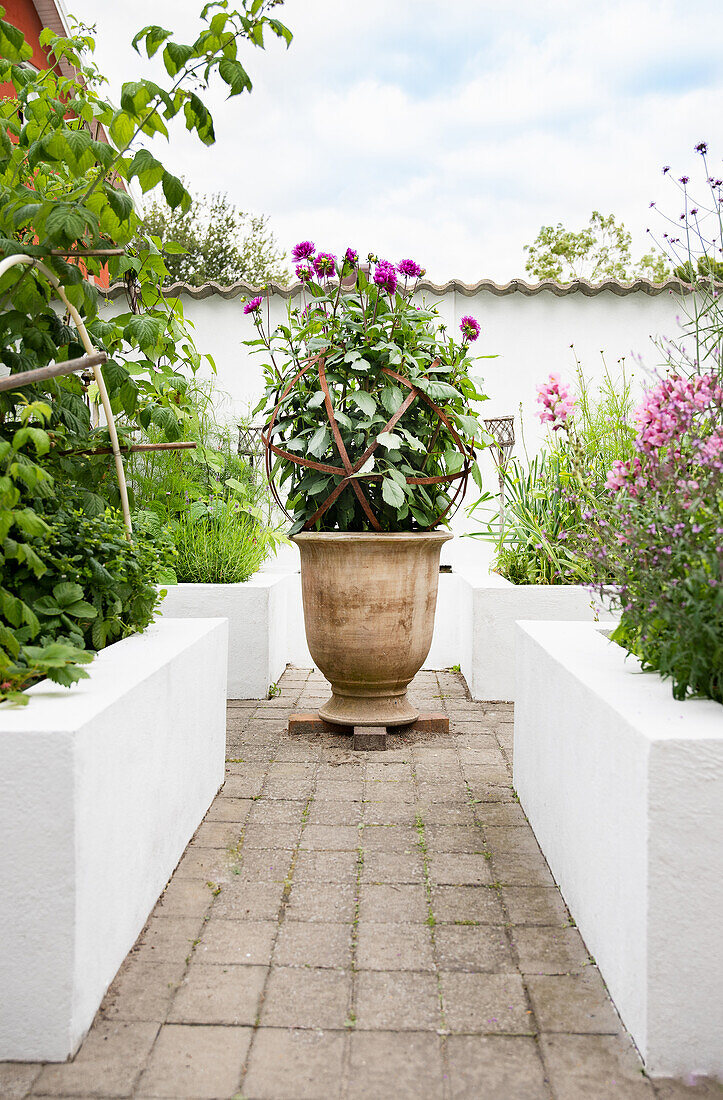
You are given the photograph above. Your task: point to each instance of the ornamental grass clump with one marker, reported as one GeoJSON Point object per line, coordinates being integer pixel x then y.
{"type": "Point", "coordinates": [371, 424]}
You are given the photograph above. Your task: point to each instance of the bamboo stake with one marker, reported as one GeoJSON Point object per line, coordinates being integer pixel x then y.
{"type": "Point", "coordinates": [53, 370]}
{"type": "Point", "coordinates": [134, 448]}
{"type": "Point", "coordinates": [12, 261]}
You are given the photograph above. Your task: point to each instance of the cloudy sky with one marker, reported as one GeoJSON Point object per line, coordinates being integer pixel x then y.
{"type": "Point", "coordinates": [450, 132]}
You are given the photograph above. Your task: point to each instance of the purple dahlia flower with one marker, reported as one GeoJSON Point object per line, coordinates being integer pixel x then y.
{"type": "Point", "coordinates": [385, 276]}
{"type": "Point", "coordinates": [351, 257]}
{"type": "Point", "coordinates": [302, 251]}
{"type": "Point", "coordinates": [469, 328]}
{"type": "Point", "coordinates": [304, 272]}
{"type": "Point", "coordinates": [325, 264]}
{"type": "Point", "coordinates": [409, 269]}
{"type": "Point", "coordinates": [253, 305]}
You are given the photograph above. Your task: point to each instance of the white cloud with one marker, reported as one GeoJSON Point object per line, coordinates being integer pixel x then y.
{"type": "Point", "coordinates": [452, 135]}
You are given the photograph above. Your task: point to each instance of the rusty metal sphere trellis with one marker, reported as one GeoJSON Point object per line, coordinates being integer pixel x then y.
{"type": "Point", "coordinates": [348, 471]}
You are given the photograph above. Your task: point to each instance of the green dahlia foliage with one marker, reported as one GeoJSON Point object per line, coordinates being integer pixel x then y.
{"type": "Point", "coordinates": [67, 156]}
{"type": "Point", "coordinates": [374, 344]}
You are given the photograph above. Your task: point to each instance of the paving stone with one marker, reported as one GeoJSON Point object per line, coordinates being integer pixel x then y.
{"type": "Point", "coordinates": [509, 814]}
{"type": "Point", "coordinates": [141, 990]}
{"type": "Point", "coordinates": [265, 864]}
{"type": "Point", "coordinates": [334, 790]}
{"type": "Point", "coordinates": [384, 812]}
{"type": "Point", "coordinates": [391, 771]}
{"type": "Point", "coordinates": [599, 1067]}
{"type": "Point", "coordinates": [392, 904]}
{"type": "Point", "coordinates": [453, 838]}
{"type": "Point", "coordinates": [184, 898]}
{"type": "Point", "coordinates": [342, 772]}
{"type": "Point", "coordinates": [196, 1063]}
{"type": "Point", "coordinates": [234, 941]}
{"type": "Point", "coordinates": [290, 770]}
{"type": "Point", "coordinates": [305, 943]}
{"type": "Point", "coordinates": [549, 950]}
{"type": "Point", "coordinates": [444, 813]}
{"type": "Point", "coordinates": [206, 865]}
{"type": "Point", "coordinates": [277, 812]}
{"type": "Point", "coordinates": [318, 901]}
{"type": "Point", "coordinates": [397, 1000]}
{"type": "Point", "coordinates": [459, 869]}
{"type": "Point", "coordinates": [495, 1067]}
{"type": "Point", "coordinates": [573, 1003]}
{"type": "Point", "coordinates": [535, 905]}
{"type": "Point", "coordinates": [389, 838]}
{"type": "Point", "coordinates": [218, 995]}
{"type": "Point", "coordinates": [479, 948]}
{"type": "Point", "coordinates": [242, 900]}
{"type": "Point", "coordinates": [331, 838]}
{"type": "Point", "coordinates": [485, 1003]}
{"type": "Point", "coordinates": [482, 793]}
{"type": "Point", "coordinates": [107, 1064]}
{"type": "Point", "coordinates": [302, 1064]}
{"type": "Point", "coordinates": [16, 1079]}
{"type": "Point", "coordinates": [333, 812]}
{"type": "Point", "coordinates": [394, 1064]}
{"type": "Point", "coordinates": [242, 786]}
{"type": "Point", "coordinates": [517, 858]}
{"type": "Point", "coordinates": [394, 946]}
{"type": "Point", "coordinates": [478, 904]}
{"type": "Point", "coordinates": [275, 835]}
{"type": "Point", "coordinates": [168, 939]}
{"type": "Point", "coordinates": [325, 867]}
{"type": "Point", "coordinates": [393, 867]}
{"type": "Point", "coordinates": [218, 834]}
{"type": "Point", "coordinates": [450, 793]}
{"type": "Point", "coordinates": [230, 809]}
{"type": "Point", "coordinates": [293, 790]}
{"type": "Point", "coordinates": [696, 1087]}
{"type": "Point", "coordinates": [304, 997]}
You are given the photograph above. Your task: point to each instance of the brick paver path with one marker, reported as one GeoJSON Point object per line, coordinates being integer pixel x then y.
{"type": "Point", "coordinates": [359, 925]}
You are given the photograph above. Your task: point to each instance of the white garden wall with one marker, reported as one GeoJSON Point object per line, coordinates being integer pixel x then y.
{"type": "Point", "coordinates": [529, 330]}
{"type": "Point", "coordinates": [101, 789]}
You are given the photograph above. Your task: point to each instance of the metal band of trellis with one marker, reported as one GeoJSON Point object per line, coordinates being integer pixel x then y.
{"type": "Point", "coordinates": [21, 258]}
{"type": "Point", "coordinates": [350, 473]}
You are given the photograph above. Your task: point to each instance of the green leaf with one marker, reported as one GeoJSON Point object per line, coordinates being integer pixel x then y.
{"type": "Point", "coordinates": [233, 73]}
{"type": "Point", "coordinates": [390, 440]}
{"type": "Point", "coordinates": [319, 442]}
{"type": "Point", "coordinates": [364, 401]}
{"type": "Point", "coordinates": [392, 493]}
{"type": "Point", "coordinates": [174, 190]}
{"type": "Point", "coordinates": [119, 201]}
{"type": "Point", "coordinates": [65, 223]}
{"type": "Point", "coordinates": [316, 400]}
{"type": "Point", "coordinates": [148, 170]}
{"type": "Point", "coordinates": [391, 398]}
{"type": "Point", "coordinates": [13, 46]}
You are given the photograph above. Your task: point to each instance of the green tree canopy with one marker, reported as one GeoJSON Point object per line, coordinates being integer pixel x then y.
{"type": "Point", "coordinates": [600, 251]}
{"type": "Point", "coordinates": [214, 240]}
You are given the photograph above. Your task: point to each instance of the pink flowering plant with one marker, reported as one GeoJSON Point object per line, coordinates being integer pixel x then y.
{"type": "Point", "coordinates": [658, 538]}
{"type": "Point", "coordinates": [377, 344]}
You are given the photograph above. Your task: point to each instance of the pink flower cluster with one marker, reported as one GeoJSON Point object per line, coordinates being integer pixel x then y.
{"type": "Point", "coordinates": [556, 402]}
{"type": "Point", "coordinates": [669, 410]}
{"type": "Point", "coordinates": [627, 475]}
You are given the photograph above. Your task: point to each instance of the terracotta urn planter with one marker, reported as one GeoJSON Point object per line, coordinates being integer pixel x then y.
{"type": "Point", "coordinates": [369, 604]}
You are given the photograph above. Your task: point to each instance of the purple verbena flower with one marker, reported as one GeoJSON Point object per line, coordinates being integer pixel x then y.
{"type": "Point", "coordinates": [253, 304]}
{"type": "Point", "coordinates": [303, 251]}
{"type": "Point", "coordinates": [409, 268]}
{"type": "Point", "coordinates": [325, 264]}
{"type": "Point", "coordinates": [470, 329]}
{"type": "Point", "coordinates": [385, 276]}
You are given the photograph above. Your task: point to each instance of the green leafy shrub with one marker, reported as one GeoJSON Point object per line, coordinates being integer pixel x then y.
{"type": "Point", "coordinates": [385, 360]}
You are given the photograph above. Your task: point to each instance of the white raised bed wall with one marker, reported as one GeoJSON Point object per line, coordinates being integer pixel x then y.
{"type": "Point", "coordinates": [101, 788]}
{"type": "Point", "coordinates": [258, 621]}
{"type": "Point", "coordinates": [489, 608]}
{"type": "Point", "coordinates": [623, 787]}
